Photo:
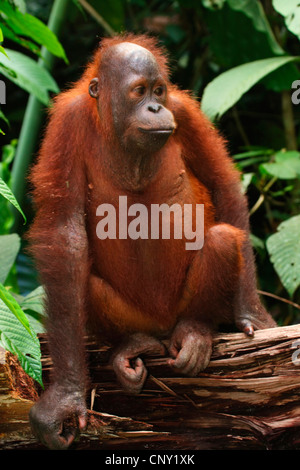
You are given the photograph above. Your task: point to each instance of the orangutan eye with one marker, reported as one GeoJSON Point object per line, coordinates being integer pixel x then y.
{"type": "Point", "coordinates": [159, 91]}
{"type": "Point", "coordinates": [140, 90]}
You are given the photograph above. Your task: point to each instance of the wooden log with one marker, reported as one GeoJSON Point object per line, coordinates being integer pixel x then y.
{"type": "Point", "coordinates": [247, 398]}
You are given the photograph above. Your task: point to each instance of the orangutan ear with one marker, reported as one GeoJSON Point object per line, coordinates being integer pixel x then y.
{"type": "Point", "coordinates": [94, 88]}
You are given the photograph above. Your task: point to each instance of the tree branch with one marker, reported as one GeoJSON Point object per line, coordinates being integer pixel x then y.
{"type": "Point", "coordinates": [247, 398]}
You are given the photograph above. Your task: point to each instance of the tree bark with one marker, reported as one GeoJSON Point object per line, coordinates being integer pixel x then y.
{"type": "Point", "coordinates": [247, 398]}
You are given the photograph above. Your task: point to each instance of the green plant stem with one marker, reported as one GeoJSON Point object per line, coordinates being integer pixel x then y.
{"type": "Point", "coordinates": [268, 294]}
{"type": "Point", "coordinates": [257, 205]}
{"type": "Point", "coordinates": [240, 126]}
{"type": "Point", "coordinates": [33, 116]}
{"type": "Point", "coordinates": [261, 198]}
{"type": "Point", "coordinates": [97, 17]}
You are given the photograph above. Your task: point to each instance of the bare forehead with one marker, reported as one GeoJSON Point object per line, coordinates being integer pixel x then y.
{"type": "Point", "coordinates": [129, 56]}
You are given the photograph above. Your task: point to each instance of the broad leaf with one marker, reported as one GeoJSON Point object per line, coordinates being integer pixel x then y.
{"type": "Point", "coordinates": [9, 248]}
{"type": "Point", "coordinates": [27, 273]}
{"type": "Point", "coordinates": [16, 339]}
{"type": "Point", "coordinates": [28, 74]}
{"type": "Point", "coordinates": [290, 9]}
{"type": "Point", "coordinates": [7, 193]}
{"type": "Point", "coordinates": [35, 301]}
{"type": "Point", "coordinates": [34, 306]}
{"type": "Point", "coordinates": [254, 10]}
{"type": "Point", "coordinates": [225, 90]}
{"type": "Point", "coordinates": [32, 46]}
{"type": "Point", "coordinates": [28, 25]}
{"type": "Point", "coordinates": [285, 166]}
{"type": "Point", "coordinates": [284, 250]}
{"type": "Point", "coordinates": [242, 19]}
{"type": "Point", "coordinates": [14, 307]}
{"type": "Point", "coordinates": [246, 180]}
{"type": "Point", "coordinates": [257, 242]}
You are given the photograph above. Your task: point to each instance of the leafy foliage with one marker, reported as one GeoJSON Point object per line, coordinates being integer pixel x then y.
{"type": "Point", "coordinates": [14, 337]}
{"type": "Point", "coordinates": [17, 332]}
{"type": "Point", "coordinates": [284, 248]}
{"type": "Point", "coordinates": [28, 74]}
{"type": "Point", "coordinates": [9, 247]}
{"type": "Point", "coordinates": [7, 194]}
{"type": "Point", "coordinates": [224, 91]}
{"type": "Point", "coordinates": [286, 165]}
{"type": "Point", "coordinates": [18, 24]}
{"type": "Point", "coordinates": [31, 33]}
{"type": "Point", "coordinates": [291, 12]}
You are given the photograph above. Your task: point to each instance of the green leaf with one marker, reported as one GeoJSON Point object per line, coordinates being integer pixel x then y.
{"type": "Point", "coordinates": [28, 74]}
{"type": "Point", "coordinates": [286, 165]}
{"type": "Point", "coordinates": [253, 9]}
{"type": "Point", "coordinates": [2, 50]}
{"type": "Point", "coordinates": [290, 9]}
{"type": "Point", "coordinates": [2, 116]}
{"type": "Point", "coordinates": [20, 4]}
{"type": "Point", "coordinates": [257, 242]}
{"type": "Point", "coordinates": [16, 339]}
{"type": "Point", "coordinates": [14, 307]}
{"type": "Point", "coordinates": [32, 46]}
{"type": "Point", "coordinates": [28, 25]}
{"type": "Point", "coordinates": [284, 250]}
{"type": "Point", "coordinates": [34, 306]}
{"type": "Point", "coordinates": [27, 274]}
{"type": "Point", "coordinates": [9, 248]}
{"type": "Point", "coordinates": [239, 33]}
{"type": "Point", "coordinates": [213, 4]}
{"type": "Point", "coordinates": [246, 180]}
{"type": "Point", "coordinates": [36, 321]}
{"type": "Point", "coordinates": [252, 153]}
{"type": "Point", "coordinates": [225, 90]}
{"type": "Point", "coordinates": [6, 192]}
{"type": "Point", "coordinates": [35, 301]}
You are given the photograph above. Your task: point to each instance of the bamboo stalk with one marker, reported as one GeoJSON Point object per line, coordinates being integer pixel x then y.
{"type": "Point", "coordinates": [33, 116]}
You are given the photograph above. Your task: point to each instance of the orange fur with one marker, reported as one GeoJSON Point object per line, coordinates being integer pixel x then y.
{"type": "Point", "coordinates": [75, 149]}
{"type": "Point", "coordinates": [137, 291]}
